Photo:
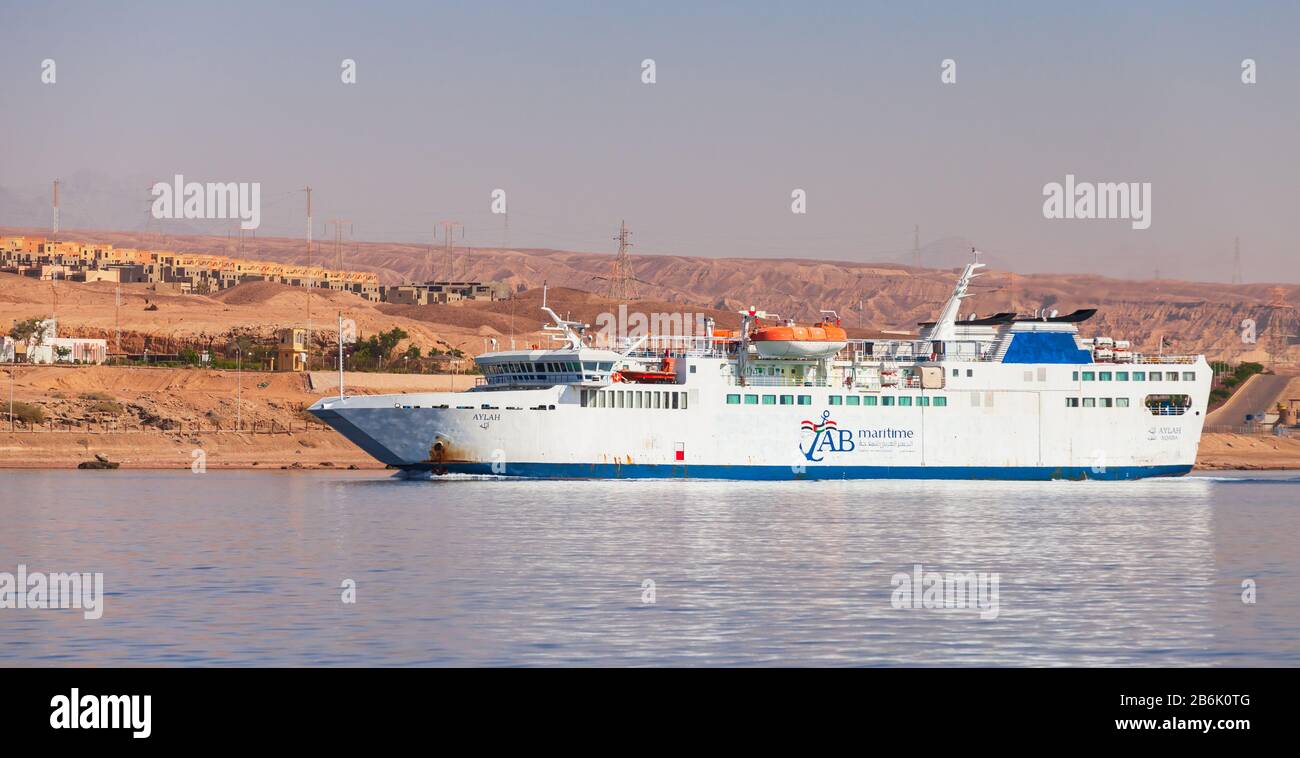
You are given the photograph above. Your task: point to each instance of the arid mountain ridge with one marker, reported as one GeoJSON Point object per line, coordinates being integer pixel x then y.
{"type": "Point", "coordinates": [1190, 316]}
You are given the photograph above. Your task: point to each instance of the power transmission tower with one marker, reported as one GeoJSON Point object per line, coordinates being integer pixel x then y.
{"type": "Point", "coordinates": [916, 246]}
{"type": "Point", "coordinates": [151, 222]}
{"type": "Point", "coordinates": [308, 191]}
{"type": "Point", "coordinates": [338, 238]}
{"type": "Point", "coordinates": [448, 229]}
{"type": "Point", "coordinates": [622, 282]}
{"type": "Point", "coordinates": [1236, 260]}
{"type": "Point", "coordinates": [1282, 327]}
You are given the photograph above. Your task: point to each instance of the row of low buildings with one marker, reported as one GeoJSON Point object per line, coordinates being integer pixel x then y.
{"type": "Point", "coordinates": [203, 274]}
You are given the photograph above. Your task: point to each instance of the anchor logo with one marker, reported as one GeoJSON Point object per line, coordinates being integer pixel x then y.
{"type": "Point", "coordinates": [821, 437]}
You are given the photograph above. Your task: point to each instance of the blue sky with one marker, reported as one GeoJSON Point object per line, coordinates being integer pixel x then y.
{"type": "Point", "coordinates": [752, 100]}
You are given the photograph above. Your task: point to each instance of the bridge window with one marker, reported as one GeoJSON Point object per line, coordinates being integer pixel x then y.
{"type": "Point", "coordinates": [1107, 403]}
{"type": "Point", "coordinates": [805, 400]}
{"type": "Point", "coordinates": [905, 400]}
{"type": "Point", "coordinates": [1072, 402]}
{"type": "Point", "coordinates": [769, 400]}
{"type": "Point", "coordinates": [1088, 376]}
{"type": "Point", "coordinates": [751, 399]}
{"type": "Point", "coordinates": [837, 400]}
{"type": "Point", "coordinates": [940, 401]}
{"type": "Point", "coordinates": [1189, 376]}
{"type": "Point", "coordinates": [923, 400]}
{"type": "Point", "coordinates": [1104, 376]}
{"type": "Point", "coordinates": [1090, 402]}
{"type": "Point", "coordinates": [787, 400]}
{"type": "Point", "coordinates": [1121, 376]}
{"type": "Point", "coordinates": [1121, 402]}
{"type": "Point", "coordinates": [1139, 376]}
{"type": "Point", "coordinates": [887, 400]}
{"type": "Point", "coordinates": [733, 399]}
{"type": "Point", "coordinates": [854, 400]}
{"type": "Point", "coordinates": [1171, 376]}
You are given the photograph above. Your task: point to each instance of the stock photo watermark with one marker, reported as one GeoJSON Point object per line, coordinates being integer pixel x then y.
{"type": "Point", "coordinates": [948, 592]}
{"type": "Point", "coordinates": [77, 711]}
{"type": "Point", "coordinates": [1104, 201]}
{"type": "Point", "coordinates": [179, 199]}
{"type": "Point", "coordinates": [948, 71]}
{"type": "Point", "coordinates": [616, 327]}
{"type": "Point", "coordinates": [35, 590]}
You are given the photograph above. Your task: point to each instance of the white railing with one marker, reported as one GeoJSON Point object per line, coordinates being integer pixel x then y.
{"type": "Point", "coordinates": [1162, 359]}
{"type": "Point", "coordinates": [776, 381]}
{"type": "Point", "coordinates": [1165, 410]}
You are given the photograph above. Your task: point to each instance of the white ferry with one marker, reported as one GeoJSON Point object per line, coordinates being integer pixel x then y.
{"type": "Point", "coordinates": [999, 397]}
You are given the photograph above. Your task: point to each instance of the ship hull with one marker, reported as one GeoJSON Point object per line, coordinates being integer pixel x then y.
{"type": "Point", "coordinates": [1040, 430]}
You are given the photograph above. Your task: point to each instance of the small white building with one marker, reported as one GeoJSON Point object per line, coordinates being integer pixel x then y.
{"type": "Point", "coordinates": [54, 349]}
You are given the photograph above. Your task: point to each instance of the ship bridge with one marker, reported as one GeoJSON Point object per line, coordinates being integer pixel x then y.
{"type": "Point", "coordinates": [546, 368]}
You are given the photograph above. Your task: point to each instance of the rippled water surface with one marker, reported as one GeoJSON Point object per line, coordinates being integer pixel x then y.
{"type": "Point", "coordinates": [245, 568]}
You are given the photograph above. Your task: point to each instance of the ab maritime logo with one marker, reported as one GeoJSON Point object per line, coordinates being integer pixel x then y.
{"type": "Point", "coordinates": [822, 437]}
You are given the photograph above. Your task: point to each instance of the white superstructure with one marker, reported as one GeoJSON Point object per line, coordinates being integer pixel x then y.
{"type": "Point", "coordinates": [1001, 397]}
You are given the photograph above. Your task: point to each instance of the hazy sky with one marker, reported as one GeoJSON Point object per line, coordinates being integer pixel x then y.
{"type": "Point", "coordinates": [752, 100]}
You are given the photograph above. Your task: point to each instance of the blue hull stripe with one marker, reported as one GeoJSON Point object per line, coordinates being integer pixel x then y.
{"type": "Point", "coordinates": [778, 473]}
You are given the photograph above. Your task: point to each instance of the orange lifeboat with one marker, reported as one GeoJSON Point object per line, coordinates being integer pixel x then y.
{"type": "Point", "coordinates": [789, 341]}
{"type": "Point", "coordinates": [667, 374]}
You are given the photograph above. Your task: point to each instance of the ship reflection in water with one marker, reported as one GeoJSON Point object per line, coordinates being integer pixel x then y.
{"type": "Point", "coordinates": [245, 568]}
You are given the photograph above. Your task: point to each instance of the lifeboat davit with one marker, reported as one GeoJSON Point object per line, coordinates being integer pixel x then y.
{"type": "Point", "coordinates": [820, 340]}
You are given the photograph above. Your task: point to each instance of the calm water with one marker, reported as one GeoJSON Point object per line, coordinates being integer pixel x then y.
{"type": "Point", "coordinates": [229, 568]}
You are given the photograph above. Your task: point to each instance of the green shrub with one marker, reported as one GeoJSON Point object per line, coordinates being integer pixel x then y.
{"type": "Point", "coordinates": [110, 407]}
{"type": "Point", "coordinates": [28, 413]}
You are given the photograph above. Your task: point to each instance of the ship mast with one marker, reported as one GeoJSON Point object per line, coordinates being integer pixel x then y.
{"type": "Point", "coordinates": [945, 327]}
{"type": "Point", "coordinates": [572, 330]}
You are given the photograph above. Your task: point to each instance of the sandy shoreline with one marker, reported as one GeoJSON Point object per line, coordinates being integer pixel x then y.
{"type": "Point", "coordinates": [326, 449]}
{"type": "Point", "coordinates": [154, 450]}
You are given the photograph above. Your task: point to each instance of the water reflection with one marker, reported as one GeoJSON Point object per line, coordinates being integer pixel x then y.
{"type": "Point", "coordinates": [241, 568]}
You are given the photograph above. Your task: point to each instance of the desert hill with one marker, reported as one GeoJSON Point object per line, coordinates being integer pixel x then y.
{"type": "Point", "coordinates": [1190, 316]}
